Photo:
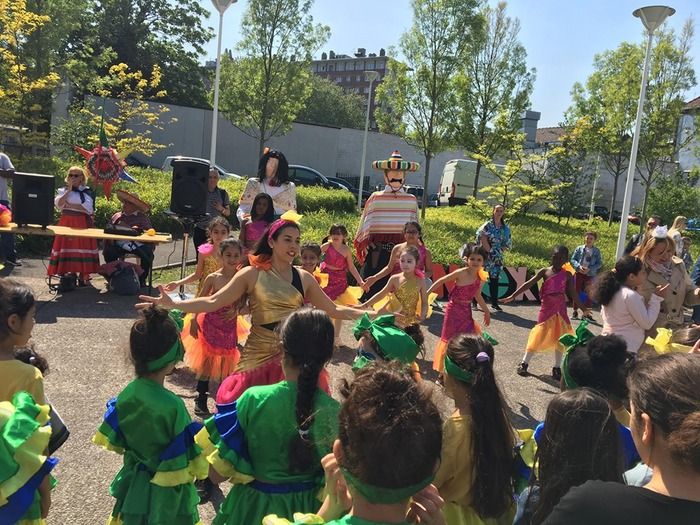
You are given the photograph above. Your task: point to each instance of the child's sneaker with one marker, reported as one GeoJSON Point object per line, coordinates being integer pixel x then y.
{"type": "Point", "coordinates": [556, 373]}
{"type": "Point", "coordinates": [522, 369]}
{"type": "Point", "coordinates": [204, 487]}
{"type": "Point", "coordinates": [574, 315]}
{"type": "Point", "coordinates": [200, 406]}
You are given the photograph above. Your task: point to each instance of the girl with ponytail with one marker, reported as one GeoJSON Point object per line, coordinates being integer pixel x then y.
{"type": "Point", "coordinates": [624, 311]}
{"type": "Point", "coordinates": [475, 474]}
{"type": "Point", "coordinates": [270, 442]}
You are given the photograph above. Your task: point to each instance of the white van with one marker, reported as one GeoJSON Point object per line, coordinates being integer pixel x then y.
{"type": "Point", "coordinates": [457, 181]}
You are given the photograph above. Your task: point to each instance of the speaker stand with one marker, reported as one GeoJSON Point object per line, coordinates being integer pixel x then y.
{"type": "Point", "coordinates": [187, 227]}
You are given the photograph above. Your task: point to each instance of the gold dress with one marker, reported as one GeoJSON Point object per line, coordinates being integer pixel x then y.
{"type": "Point", "coordinates": [211, 264]}
{"type": "Point", "coordinates": [405, 300]}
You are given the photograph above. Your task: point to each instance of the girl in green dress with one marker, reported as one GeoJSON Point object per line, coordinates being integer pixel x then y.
{"type": "Point", "coordinates": [150, 426]}
{"type": "Point", "coordinates": [385, 457]}
{"type": "Point", "coordinates": [270, 441]}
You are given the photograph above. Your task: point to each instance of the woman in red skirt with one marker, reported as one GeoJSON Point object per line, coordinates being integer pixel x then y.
{"type": "Point", "coordinates": [76, 255]}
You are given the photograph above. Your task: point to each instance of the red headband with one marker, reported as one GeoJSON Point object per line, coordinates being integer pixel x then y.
{"type": "Point", "coordinates": [279, 224]}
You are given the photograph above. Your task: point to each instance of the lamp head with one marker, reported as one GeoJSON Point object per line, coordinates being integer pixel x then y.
{"type": "Point", "coordinates": [371, 76]}
{"type": "Point", "coordinates": [653, 16]}
{"type": "Point", "coordinates": [223, 5]}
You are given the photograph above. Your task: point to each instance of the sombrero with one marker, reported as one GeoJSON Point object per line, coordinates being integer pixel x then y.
{"type": "Point", "coordinates": [125, 196]}
{"type": "Point", "coordinates": [396, 163]}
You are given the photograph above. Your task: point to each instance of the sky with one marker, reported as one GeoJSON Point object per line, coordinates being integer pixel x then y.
{"type": "Point", "coordinates": [561, 37]}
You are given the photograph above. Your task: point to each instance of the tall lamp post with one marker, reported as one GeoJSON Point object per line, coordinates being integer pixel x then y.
{"type": "Point", "coordinates": [371, 77]}
{"type": "Point", "coordinates": [221, 7]}
{"type": "Point", "coordinates": [652, 17]}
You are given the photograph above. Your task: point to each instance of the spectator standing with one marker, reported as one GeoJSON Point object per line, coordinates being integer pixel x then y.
{"type": "Point", "coordinates": [218, 205]}
{"type": "Point", "coordinates": [7, 240]}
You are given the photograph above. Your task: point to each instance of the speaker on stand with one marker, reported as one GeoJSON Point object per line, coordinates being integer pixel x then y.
{"type": "Point", "coordinates": [32, 198]}
{"type": "Point", "coordinates": [188, 202]}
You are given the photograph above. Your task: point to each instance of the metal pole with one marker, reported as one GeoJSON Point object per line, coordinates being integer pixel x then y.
{"type": "Point", "coordinates": [364, 147]}
{"type": "Point", "coordinates": [215, 116]}
{"type": "Point", "coordinates": [633, 155]}
{"type": "Point", "coordinates": [596, 175]}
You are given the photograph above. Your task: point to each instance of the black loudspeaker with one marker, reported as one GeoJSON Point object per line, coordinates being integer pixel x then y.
{"type": "Point", "coordinates": [188, 197]}
{"type": "Point", "coordinates": [32, 198]}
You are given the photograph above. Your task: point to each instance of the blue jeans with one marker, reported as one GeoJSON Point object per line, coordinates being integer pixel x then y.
{"type": "Point", "coordinates": [7, 242]}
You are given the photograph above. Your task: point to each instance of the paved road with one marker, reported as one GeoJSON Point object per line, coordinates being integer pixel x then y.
{"type": "Point", "coordinates": [84, 335]}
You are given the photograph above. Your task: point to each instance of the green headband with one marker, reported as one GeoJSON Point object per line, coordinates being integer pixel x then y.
{"type": "Point", "coordinates": [375, 494]}
{"type": "Point", "coordinates": [571, 341]}
{"type": "Point", "coordinates": [455, 371]}
{"type": "Point", "coordinates": [176, 352]}
{"type": "Point", "coordinates": [393, 342]}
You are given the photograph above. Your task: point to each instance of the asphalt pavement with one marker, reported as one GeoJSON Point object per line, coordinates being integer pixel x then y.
{"type": "Point", "coordinates": [84, 336]}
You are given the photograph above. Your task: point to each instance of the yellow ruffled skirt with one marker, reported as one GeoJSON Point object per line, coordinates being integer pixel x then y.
{"type": "Point", "coordinates": [544, 337]}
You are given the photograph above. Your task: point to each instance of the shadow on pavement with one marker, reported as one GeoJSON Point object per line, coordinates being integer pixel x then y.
{"type": "Point", "coordinates": [523, 418]}
{"type": "Point", "coordinates": [85, 303]}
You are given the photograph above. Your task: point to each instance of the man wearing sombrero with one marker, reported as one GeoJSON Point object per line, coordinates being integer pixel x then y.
{"type": "Point", "coordinates": [133, 215]}
{"type": "Point", "coordinates": [384, 216]}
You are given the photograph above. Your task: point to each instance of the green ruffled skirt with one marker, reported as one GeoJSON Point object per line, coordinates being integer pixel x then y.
{"type": "Point", "coordinates": [246, 505]}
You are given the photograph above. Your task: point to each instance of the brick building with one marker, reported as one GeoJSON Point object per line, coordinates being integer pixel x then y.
{"type": "Point", "coordinates": [348, 73]}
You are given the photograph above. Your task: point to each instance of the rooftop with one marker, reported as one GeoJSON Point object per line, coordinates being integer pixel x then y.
{"type": "Point", "coordinates": [549, 135]}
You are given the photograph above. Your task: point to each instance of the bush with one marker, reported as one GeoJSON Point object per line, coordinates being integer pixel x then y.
{"type": "Point", "coordinates": [673, 196]}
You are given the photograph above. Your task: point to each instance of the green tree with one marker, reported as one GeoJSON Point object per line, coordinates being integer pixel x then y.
{"type": "Point", "coordinates": [329, 104]}
{"type": "Point", "coordinates": [21, 85]}
{"type": "Point", "coordinates": [675, 195]}
{"type": "Point", "coordinates": [418, 96]}
{"type": "Point", "coordinates": [166, 33]}
{"type": "Point", "coordinates": [494, 79]}
{"type": "Point", "coordinates": [265, 89]}
{"type": "Point", "coordinates": [670, 78]}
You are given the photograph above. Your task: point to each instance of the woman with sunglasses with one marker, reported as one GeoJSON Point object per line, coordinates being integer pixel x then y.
{"type": "Point", "coordinates": [75, 255]}
{"type": "Point", "coordinates": [273, 179]}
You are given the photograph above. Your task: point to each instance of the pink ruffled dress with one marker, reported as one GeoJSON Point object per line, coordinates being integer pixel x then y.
{"type": "Point", "coordinates": [552, 321]}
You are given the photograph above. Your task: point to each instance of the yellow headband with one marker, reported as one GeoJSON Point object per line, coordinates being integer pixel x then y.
{"type": "Point", "coordinates": [663, 345]}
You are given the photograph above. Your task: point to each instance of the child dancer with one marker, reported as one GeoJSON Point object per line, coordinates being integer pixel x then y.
{"type": "Point", "coordinates": [336, 263]}
{"type": "Point", "coordinates": [624, 311]}
{"type": "Point", "coordinates": [413, 236]}
{"type": "Point", "coordinates": [475, 474]}
{"type": "Point", "coordinates": [24, 414]}
{"type": "Point", "coordinates": [310, 258]}
{"type": "Point", "coordinates": [219, 228]}
{"type": "Point", "coordinates": [407, 289]}
{"type": "Point", "coordinates": [261, 216]}
{"type": "Point", "coordinates": [458, 312]}
{"type": "Point", "coordinates": [271, 440]}
{"type": "Point", "coordinates": [150, 426]}
{"type": "Point", "coordinates": [382, 465]}
{"type": "Point", "coordinates": [552, 321]}
{"type": "Point", "coordinates": [211, 339]}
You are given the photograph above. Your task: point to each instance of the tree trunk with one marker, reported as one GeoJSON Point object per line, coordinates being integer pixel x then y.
{"type": "Point", "coordinates": [476, 178]}
{"type": "Point", "coordinates": [425, 187]}
{"type": "Point", "coordinates": [616, 178]}
{"type": "Point", "coordinates": [643, 218]}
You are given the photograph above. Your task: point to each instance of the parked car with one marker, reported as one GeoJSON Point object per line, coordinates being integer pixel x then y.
{"type": "Point", "coordinates": [693, 225]}
{"type": "Point", "coordinates": [433, 200]}
{"type": "Point", "coordinates": [634, 218]}
{"type": "Point", "coordinates": [306, 176]}
{"type": "Point", "coordinates": [352, 189]}
{"type": "Point", "coordinates": [223, 172]}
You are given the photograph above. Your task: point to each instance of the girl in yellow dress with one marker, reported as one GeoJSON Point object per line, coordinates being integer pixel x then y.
{"type": "Point", "coordinates": [476, 467]}
{"type": "Point", "coordinates": [209, 259]}
{"type": "Point", "coordinates": [406, 290]}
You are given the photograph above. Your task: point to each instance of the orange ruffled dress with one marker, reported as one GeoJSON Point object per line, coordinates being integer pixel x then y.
{"type": "Point", "coordinates": [552, 321]}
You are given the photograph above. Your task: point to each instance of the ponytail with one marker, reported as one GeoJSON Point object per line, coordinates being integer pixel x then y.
{"type": "Point", "coordinates": [298, 330]}
{"type": "Point", "coordinates": [609, 283]}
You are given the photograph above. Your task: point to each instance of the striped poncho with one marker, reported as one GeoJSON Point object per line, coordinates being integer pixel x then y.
{"type": "Point", "coordinates": [383, 219]}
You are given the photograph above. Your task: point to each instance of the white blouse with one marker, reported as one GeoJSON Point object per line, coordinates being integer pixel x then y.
{"type": "Point", "coordinates": [284, 197]}
{"type": "Point", "coordinates": [628, 316]}
{"type": "Point", "coordinates": [74, 198]}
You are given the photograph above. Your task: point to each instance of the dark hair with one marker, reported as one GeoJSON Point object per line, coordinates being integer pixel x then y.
{"type": "Point", "coordinates": [417, 226]}
{"type": "Point", "coordinates": [412, 251]}
{"type": "Point", "coordinates": [594, 234]}
{"type": "Point", "coordinates": [503, 217]}
{"type": "Point", "coordinates": [610, 282]}
{"type": "Point", "coordinates": [561, 250]}
{"type": "Point", "coordinates": [686, 336]}
{"type": "Point", "coordinates": [269, 213]}
{"type": "Point", "coordinates": [312, 247]}
{"type": "Point", "coordinates": [152, 335]}
{"type": "Point", "coordinates": [473, 249]}
{"type": "Point", "coordinates": [337, 229]}
{"type": "Point", "coordinates": [601, 365]}
{"type": "Point", "coordinates": [262, 247]}
{"type": "Point", "coordinates": [218, 221]}
{"type": "Point", "coordinates": [15, 298]}
{"type": "Point", "coordinates": [302, 327]}
{"type": "Point", "coordinates": [579, 442]}
{"type": "Point", "coordinates": [282, 175]}
{"type": "Point", "coordinates": [30, 356]}
{"type": "Point", "coordinates": [389, 428]}
{"type": "Point", "coordinates": [666, 389]}
{"type": "Point", "coordinates": [491, 432]}
{"type": "Point", "coordinates": [230, 242]}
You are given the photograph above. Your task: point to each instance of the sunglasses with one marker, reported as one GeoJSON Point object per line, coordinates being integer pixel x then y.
{"type": "Point", "coordinates": [75, 174]}
{"type": "Point", "coordinates": [395, 180]}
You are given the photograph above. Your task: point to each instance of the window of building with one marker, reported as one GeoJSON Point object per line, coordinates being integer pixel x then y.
{"type": "Point", "coordinates": [338, 80]}
{"type": "Point", "coordinates": [330, 67]}
{"type": "Point", "coordinates": [348, 78]}
{"type": "Point", "coordinates": [341, 66]}
{"type": "Point", "coordinates": [358, 78]}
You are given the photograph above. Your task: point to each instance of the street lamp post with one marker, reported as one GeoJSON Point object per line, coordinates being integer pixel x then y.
{"type": "Point", "coordinates": [652, 17]}
{"type": "Point", "coordinates": [371, 77]}
{"type": "Point", "coordinates": [221, 7]}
